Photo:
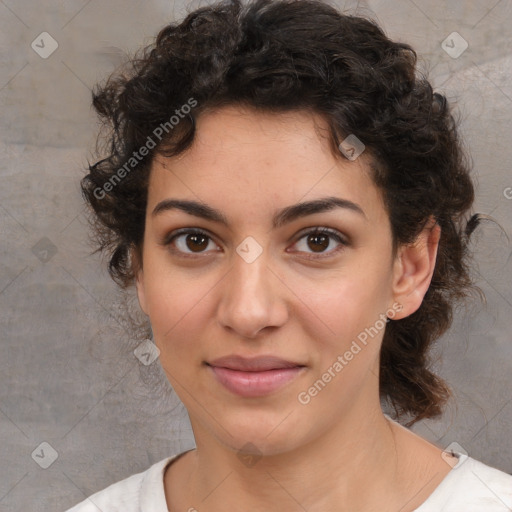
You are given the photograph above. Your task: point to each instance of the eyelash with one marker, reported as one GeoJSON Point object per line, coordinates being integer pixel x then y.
{"type": "Point", "coordinates": [315, 231]}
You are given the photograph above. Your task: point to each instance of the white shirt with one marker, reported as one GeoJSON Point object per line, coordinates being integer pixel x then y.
{"type": "Point", "coordinates": [470, 486]}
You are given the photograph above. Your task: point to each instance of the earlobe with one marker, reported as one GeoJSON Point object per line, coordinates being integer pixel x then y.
{"type": "Point", "coordinates": [413, 269]}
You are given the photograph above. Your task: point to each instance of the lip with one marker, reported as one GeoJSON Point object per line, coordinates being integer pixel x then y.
{"type": "Point", "coordinates": [254, 377]}
{"type": "Point", "coordinates": [252, 364]}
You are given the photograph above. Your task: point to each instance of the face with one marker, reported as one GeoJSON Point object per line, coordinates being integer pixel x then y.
{"type": "Point", "coordinates": [255, 280]}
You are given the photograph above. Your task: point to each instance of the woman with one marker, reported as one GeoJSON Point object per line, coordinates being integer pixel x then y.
{"type": "Point", "coordinates": [291, 202]}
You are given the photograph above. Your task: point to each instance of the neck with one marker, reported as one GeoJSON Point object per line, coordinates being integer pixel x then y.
{"type": "Point", "coordinates": [351, 467]}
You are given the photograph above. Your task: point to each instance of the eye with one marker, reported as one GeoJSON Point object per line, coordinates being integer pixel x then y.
{"type": "Point", "coordinates": [319, 239]}
{"type": "Point", "coordinates": [189, 241]}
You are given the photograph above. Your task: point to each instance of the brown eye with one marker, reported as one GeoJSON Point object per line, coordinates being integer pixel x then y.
{"type": "Point", "coordinates": [189, 242]}
{"type": "Point", "coordinates": [319, 240]}
{"type": "Point", "coordinates": [196, 242]}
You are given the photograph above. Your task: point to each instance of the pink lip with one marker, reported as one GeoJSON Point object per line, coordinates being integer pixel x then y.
{"type": "Point", "coordinates": [252, 384]}
{"type": "Point", "coordinates": [253, 364]}
{"type": "Point", "coordinates": [254, 377]}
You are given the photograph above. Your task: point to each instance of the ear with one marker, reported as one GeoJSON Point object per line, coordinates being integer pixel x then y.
{"type": "Point", "coordinates": [139, 278]}
{"type": "Point", "coordinates": [413, 269]}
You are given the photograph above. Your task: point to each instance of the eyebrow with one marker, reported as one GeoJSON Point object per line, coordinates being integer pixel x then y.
{"type": "Point", "coordinates": [282, 217]}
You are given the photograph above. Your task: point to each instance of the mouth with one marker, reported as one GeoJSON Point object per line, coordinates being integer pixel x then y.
{"type": "Point", "coordinates": [255, 364]}
{"type": "Point", "coordinates": [254, 377]}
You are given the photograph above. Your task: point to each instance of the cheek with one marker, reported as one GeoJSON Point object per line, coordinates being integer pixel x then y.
{"type": "Point", "coordinates": [178, 305]}
{"type": "Point", "coordinates": [344, 318]}
{"type": "Point", "coordinates": [344, 328]}
{"type": "Point", "coordinates": [346, 302]}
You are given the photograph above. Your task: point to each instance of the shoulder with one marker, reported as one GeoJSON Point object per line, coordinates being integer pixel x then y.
{"type": "Point", "coordinates": [471, 486]}
{"type": "Point", "coordinates": [131, 494]}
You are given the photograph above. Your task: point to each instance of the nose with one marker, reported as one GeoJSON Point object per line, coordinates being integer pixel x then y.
{"type": "Point", "coordinates": [253, 298]}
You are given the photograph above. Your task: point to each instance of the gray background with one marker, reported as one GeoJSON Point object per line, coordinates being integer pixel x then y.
{"type": "Point", "coordinates": [68, 375]}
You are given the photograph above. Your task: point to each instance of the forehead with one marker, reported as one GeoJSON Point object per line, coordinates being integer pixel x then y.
{"type": "Point", "coordinates": [247, 161]}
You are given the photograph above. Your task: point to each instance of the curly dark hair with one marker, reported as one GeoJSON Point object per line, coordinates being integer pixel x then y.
{"type": "Point", "coordinates": [285, 55]}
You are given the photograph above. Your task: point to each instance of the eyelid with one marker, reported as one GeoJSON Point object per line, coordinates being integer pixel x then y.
{"type": "Point", "coordinates": [169, 238]}
{"type": "Point", "coordinates": [318, 230]}
{"type": "Point", "coordinates": [321, 230]}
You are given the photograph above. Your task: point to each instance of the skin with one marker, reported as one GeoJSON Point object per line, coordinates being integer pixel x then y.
{"type": "Point", "coordinates": [337, 452]}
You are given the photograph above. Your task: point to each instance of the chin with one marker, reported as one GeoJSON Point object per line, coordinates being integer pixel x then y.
{"type": "Point", "coordinates": [261, 440]}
